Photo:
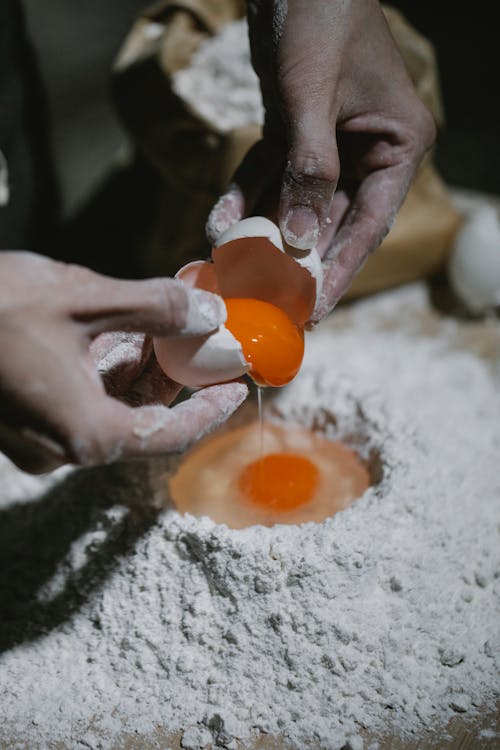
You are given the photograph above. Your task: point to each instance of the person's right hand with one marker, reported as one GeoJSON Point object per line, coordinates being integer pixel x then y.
{"type": "Point", "coordinates": [55, 344]}
{"type": "Point", "coordinates": [343, 136]}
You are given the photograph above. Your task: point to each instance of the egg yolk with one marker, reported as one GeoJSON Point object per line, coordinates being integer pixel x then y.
{"type": "Point", "coordinates": [279, 482]}
{"type": "Point", "coordinates": [272, 344]}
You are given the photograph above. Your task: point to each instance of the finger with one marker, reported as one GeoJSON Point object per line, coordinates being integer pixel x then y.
{"type": "Point", "coordinates": [258, 170]}
{"type": "Point", "coordinates": [365, 225]}
{"type": "Point", "coordinates": [120, 359]}
{"type": "Point", "coordinates": [128, 370]}
{"type": "Point", "coordinates": [152, 387]}
{"type": "Point", "coordinates": [126, 433]}
{"type": "Point", "coordinates": [156, 430]}
{"type": "Point", "coordinates": [104, 349]}
{"type": "Point", "coordinates": [310, 176]}
{"type": "Point", "coordinates": [228, 210]}
{"type": "Point", "coordinates": [159, 307]}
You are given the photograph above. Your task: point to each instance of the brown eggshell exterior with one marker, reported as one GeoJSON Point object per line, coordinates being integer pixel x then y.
{"type": "Point", "coordinates": [200, 274]}
{"type": "Point", "coordinates": [252, 267]}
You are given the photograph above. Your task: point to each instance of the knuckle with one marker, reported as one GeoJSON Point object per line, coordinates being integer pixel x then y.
{"type": "Point", "coordinates": [428, 128]}
{"type": "Point", "coordinates": [79, 286]}
{"type": "Point", "coordinates": [80, 275]}
{"type": "Point", "coordinates": [301, 82]}
{"type": "Point", "coordinates": [419, 134]}
{"type": "Point", "coordinates": [316, 165]}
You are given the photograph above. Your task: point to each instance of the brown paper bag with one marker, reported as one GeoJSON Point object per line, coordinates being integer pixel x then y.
{"type": "Point", "coordinates": [196, 160]}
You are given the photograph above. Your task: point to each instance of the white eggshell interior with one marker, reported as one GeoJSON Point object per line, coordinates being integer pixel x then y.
{"type": "Point", "coordinates": [311, 261]}
{"type": "Point", "coordinates": [254, 226]}
{"type": "Point", "coordinates": [201, 360]}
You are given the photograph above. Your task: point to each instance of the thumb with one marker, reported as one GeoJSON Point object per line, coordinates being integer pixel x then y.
{"type": "Point", "coordinates": [159, 307]}
{"type": "Point", "coordinates": [310, 176]}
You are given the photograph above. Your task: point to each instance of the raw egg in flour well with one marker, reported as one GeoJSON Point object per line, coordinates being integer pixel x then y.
{"type": "Point", "coordinates": [279, 482]}
{"type": "Point", "coordinates": [269, 296]}
{"type": "Point", "coordinates": [301, 476]}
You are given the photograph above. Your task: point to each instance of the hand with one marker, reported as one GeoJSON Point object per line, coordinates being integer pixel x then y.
{"type": "Point", "coordinates": [54, 407]}
{"type": "Point", "coordinates": [344, 133]}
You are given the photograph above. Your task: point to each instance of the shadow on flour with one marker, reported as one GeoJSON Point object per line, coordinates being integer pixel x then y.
{"type": "Point", "coordinates": [56, 550]}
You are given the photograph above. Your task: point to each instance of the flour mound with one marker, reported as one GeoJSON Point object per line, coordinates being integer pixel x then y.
{"type": "Point", "coordinates": [382, 618]}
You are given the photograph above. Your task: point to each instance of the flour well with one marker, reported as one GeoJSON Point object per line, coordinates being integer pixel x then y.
{"type": "Point", "coordinates": [119, 617]}
{"type": "Point", "coordinates": [220, 84]}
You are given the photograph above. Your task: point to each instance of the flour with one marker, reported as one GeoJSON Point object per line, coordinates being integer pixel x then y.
{"type": "Point", "coordinates": [220, 84]}
{"type": "Point", "coordinates": [120, 617]}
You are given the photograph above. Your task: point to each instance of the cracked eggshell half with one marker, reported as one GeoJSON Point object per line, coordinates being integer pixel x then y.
{"type": "Point", "coordinates": [249, 261]}
{"type": "Point", "coordinates": [201, 360]}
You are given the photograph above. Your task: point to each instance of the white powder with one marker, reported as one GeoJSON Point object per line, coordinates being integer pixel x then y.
{"type": "Point", "coordinates": [220, 84]}
{"type": "Point", "coordinates": [117, 619]}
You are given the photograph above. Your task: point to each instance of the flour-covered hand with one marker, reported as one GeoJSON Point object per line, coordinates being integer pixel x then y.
{"type": "Point", "coordinates": [344, 132]}
{"type": "Point", "coordinates": [72, 390]}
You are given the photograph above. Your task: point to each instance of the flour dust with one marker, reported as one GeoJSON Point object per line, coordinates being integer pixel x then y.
{"type": "Point", "coordinates": [123, 616]}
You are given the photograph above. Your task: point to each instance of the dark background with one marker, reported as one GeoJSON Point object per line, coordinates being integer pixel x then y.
{"type": "Point", "coordinates": [76, 43]}
{"type": "Point", "coordinates": [466, 38]}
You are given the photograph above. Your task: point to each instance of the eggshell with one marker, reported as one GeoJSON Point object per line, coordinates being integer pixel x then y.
{"type": "Point", "coordinates": [202, 360]}
{"type": "Point", "coordinates": [254, 226]}
{"type": "Point", "coordinates": [200, 274]}
{"type": "Point", "coordinates": [256, 266]}
{"type": "Point", "coordinates": [248, 261]}
{"type": "Point", "coordinates": [474, 265]}
{"type": "Point", "coordinates": [311, 262]}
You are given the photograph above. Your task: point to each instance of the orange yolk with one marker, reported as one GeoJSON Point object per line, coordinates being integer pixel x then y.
{"type": "Point", "coordinates": [279, 482]}
{"type": "Point", "coordinates": [272, 344]}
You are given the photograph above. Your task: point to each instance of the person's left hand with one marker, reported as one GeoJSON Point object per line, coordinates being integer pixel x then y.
{"type": "Point", "coordinates": [57, 322]}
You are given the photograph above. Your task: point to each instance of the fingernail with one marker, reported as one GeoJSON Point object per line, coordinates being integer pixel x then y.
{"type": "Point", "coordinates": [205, 313]}
{"type": "Point", "coordinates": [301, 228]}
